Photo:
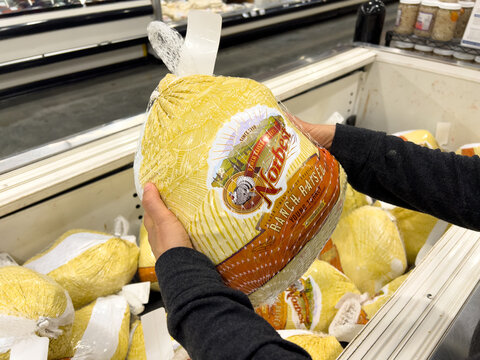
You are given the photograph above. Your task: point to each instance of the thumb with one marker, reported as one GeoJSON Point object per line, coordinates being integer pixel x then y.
{"type": "Point", "coordinates": [152, 203]}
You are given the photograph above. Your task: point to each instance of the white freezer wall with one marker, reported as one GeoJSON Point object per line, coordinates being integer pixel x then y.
{"type": "Point", "coordinates": [396, 93]}
{"type": "Point", "coordinates": [387, 91]}
{"type": "Point", "coordinates": [405, 93]}
{"type": "Point", "coordinates": [93, 206]}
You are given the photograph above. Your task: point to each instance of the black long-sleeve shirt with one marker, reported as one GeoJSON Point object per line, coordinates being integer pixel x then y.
{"type": "Point", "coordinates": [213, 321]}
{"type": "Point", "coordinates": [402, 173]}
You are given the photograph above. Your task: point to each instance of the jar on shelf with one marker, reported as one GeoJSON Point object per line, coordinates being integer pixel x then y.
{"type": "Point", "coordinates": [443, 54]}
{"type": "Point", "coordinates": [425, 18]}
{"type": "Point", "coordinates": [445, 22]}
{"type": "Point", "coordinates": [423, 49]}
{"type": "Point", "coordinates": [477, 60]}
{"type": "Point", "coordinates": [402, 45]}
{"type": "Point", "coordinates": [406, 16]}
{"type": "Point", "coordinates": [463, 57]}
{"type": "Point", "coordinates": [465, 12]}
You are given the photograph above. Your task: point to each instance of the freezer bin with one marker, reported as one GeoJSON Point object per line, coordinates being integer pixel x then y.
{"type": "Point", "coordinates": [89, 184]}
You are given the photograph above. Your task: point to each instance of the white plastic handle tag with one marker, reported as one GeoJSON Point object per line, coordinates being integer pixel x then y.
{"type": "Point", "coordinates": [158, 344]}
{"type": "Point", "coordinates": [199, 51]}
{"type": "Point", "coordinates": [31, 348]}
{"type": "Point", "coordinates": [137, 295]}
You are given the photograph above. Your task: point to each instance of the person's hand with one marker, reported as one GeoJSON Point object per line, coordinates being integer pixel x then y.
{"type": "Point", "coordinates": [321, 134]}
{"type": "Point", "coordinates": [164, 229]}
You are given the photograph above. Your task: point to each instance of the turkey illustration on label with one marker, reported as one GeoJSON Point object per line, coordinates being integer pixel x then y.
{"type": "Point", "coordinates": [248, 158]}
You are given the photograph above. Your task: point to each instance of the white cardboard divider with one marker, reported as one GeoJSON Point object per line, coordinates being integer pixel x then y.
{"type": "Point", "coordinates": [31, 348]}
{"type": "Point", "coordinates": [158, 344]}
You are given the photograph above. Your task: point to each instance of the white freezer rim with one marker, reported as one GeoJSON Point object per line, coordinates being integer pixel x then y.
{"type": "Point", "coordinates": [434, 292]}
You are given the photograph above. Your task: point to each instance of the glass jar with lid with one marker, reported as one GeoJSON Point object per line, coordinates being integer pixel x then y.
{"type": "Point", "coordinates": [465, 12]}
{"type": "Point", "coordinates": [406, 16]}
{"type": "Point", "coordinates": [425, 18]}
{"type": "Point", "coordinates": [423, 49]}
{"type": "Point", "coordinates": [445, 22]}
{"type": "Point", "coordinates": [463, 57]}
{"type": "Point", "coordinates": [443, 54]}
{"type": "Point", "coordinates": [402, 45]}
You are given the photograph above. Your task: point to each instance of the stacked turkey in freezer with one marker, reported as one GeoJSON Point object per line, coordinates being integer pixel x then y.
{"type": "Point", "coordinates": [70, 292]}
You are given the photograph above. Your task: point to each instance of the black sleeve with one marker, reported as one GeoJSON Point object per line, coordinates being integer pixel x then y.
{"type": "Point", "coordinates": [210, 320]}
{"type": "Point", "coordinates": [402, 173]}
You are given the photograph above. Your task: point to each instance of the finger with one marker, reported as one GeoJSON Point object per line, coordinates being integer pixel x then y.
{"type": "Point", "coordinates": [152, 203]}
{"type": "Point", "coordinates": [147, 221]}
{"type": "Point", "coordinates": [299, 123]}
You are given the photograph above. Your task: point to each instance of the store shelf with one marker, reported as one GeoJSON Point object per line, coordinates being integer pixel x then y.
{"type": "Point", "coordinates": [36, 46]}
{"type": "Point", "coordinates": [448, 45]}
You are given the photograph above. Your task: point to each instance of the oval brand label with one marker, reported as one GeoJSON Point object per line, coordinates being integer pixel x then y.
{"type": "Point", "coordinates": [249, 159]}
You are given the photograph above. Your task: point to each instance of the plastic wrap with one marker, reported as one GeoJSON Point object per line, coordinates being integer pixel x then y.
{"type": "Point", "coordinates": [146, 261]}
{"type": "Point", "coordinates": [101, 330]}
{"type": "Point", "coordinates": [88, 264]}
{"type": "Point", "coordinates": [310, 302]}
{"type": "Point", "coordinates": [32, 303]}
{"type": "Point", "coordinates": [255, 195]}
{"type": "Point", "coordinates": [370, 248]}
{"type": "Point", "coordinates": [319, 346]}
{"type": "Point", "coordinates": [372, 306]}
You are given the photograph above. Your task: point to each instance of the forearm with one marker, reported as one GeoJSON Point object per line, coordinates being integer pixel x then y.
{"type": "Point", "coordinates": [211, 320]}
{"type": "Point", "coordinates": [387, 168]}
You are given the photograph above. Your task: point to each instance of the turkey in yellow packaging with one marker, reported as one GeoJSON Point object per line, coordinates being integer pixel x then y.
{"type": "Point", "coordinates": [254, 194]}
{"type": "Point", "coordinates": [415, 227]}
{"type": "Point", "coordinates": [34, 304]}
{"type": "Point", "coordinates": [370, 248]}
{"type": "Point", "coordinates": [372, 306]}
{"type": "Point", "coordinates": [146, 260]}
{"type": "Point", "coordinates": [101, 329]}
{"type": "Point", "coordinates": [310, 302]}
{"type": "Point", "coordinates": [353, 200]}
{"type": "Point", "coordinates": [419, 137]}
{"type": "Point", "coordinates": [136, 350]}
{"type": "Point", "coordinates": [88, 264]}
{"type": "Point", "coordinates": [469, 150]}
{"type": "Point", "coordinates": [318, 346]}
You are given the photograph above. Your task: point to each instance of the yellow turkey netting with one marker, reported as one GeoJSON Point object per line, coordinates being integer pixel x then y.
{"type": "Point", "coordinates": [101, 329]}
{"type": "Point", "coordinates": [310, 302]}
{"type": "Point", "coordinates": [88, 264]}
{"type": "Point", "coordinates": [26, 294]}
{"type": "Point", "coordinates": [320, 347]}
{"type": "Point", "coordinates": [370, 248]}
{"type": "Point", "coordinates": [255, 195]}
{"type": "Point", "coordinates": [372, 306]}
{"type": "Point", "coordinates": [137, 343]}
{"type": "Point", "coordinates": [146, 261]}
